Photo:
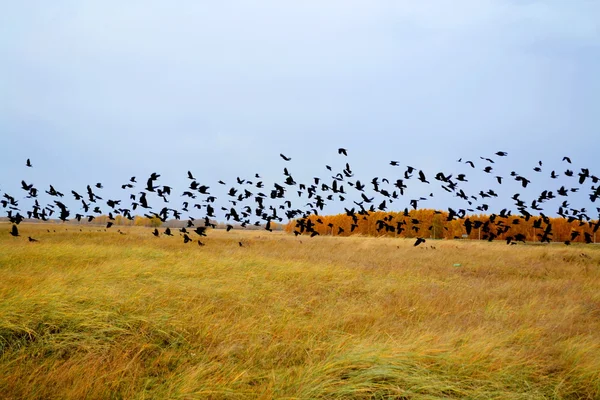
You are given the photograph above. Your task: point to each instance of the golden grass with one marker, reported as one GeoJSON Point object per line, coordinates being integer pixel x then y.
{"type": "Point", "coordinates": [103, 315]}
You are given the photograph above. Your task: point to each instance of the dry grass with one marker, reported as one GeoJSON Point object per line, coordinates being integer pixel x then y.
{"type": "Point", "coordinates": [103, 315]}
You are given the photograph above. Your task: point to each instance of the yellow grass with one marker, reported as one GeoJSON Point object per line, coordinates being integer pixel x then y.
{"type": "Point", "coordinates": [102, 315]}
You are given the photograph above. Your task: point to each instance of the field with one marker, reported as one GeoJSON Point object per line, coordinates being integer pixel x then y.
{"type": "Point", "coordinates": [86, 314]}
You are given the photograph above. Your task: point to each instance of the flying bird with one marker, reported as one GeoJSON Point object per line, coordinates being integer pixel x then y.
{"type": "Point", "coordinates": [419, 241]}
{"type": "Point", "coordinates": [284, 157]}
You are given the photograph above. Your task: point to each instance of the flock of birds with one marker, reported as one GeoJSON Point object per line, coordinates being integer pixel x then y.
{"type": "Point", "coordinates": [251, 202]}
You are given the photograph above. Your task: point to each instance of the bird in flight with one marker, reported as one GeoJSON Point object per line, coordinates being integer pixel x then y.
{"type": "Point", "coordinates": [343, 151]}
{"type": "Point", "coordinates": [29, 163]}
{"type": "Point", "coordinates": [419, 241]}
{"type": "Point", "coordinates": [284, 157]}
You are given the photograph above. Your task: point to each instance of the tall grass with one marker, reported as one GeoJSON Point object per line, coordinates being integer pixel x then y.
{"type": "Point", "coordinates": [86, 314]}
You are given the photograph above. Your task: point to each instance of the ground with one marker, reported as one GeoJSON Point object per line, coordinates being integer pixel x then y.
{"type": "Point", "coordinates": [88, 314]}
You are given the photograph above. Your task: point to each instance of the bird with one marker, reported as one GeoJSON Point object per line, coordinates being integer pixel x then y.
{"type": "Point", "coordinates": [28, 163]}
{"type": "Point", "coordinates": [567, 159]}
{"type": "Point", "coordinates": [14, 231]}
{"type": "Point", "coordinates": [342, 151]}
{"type": "Point", "coordinates": [419, 241]}
{"type": "Point", "coordinates": [284, 157]}
{"type": "Point", "coordinates": [32, 239]}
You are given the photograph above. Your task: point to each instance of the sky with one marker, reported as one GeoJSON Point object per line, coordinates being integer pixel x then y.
{"type": "Point", "coordinates": [98, 91]}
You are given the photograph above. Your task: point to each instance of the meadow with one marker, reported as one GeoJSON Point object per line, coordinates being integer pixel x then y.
{"type": "Point", "coordinates": [88, 314]}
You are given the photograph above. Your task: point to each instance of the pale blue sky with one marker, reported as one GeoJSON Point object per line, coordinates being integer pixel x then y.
{"type": "Point", "coordinates": [102, 90]}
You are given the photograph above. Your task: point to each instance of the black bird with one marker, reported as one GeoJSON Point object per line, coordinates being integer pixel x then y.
{"type": "Point", "coordinates": [143, 201]}
{"type": "Point", "coordinates": [567, 159]}
{"type": "Point", "coordinates": [25, 186]}
{"type": "Point", "coordinates": [342, 151]}
{"type": "Point", "coordinates": [240, 243]}
{"type": "Point", "coordinates": [32, 239]}
{"type": "Point", "coordinates": [14, 231]}
{"type": "Point", "coordinates": [419, 241]}
{"type": "Point", "coordinates": [168, 232]}
{"type": "Point", "coordinates": [395, 163]}
{"type": "Point", "coordinates": [29, 163]}
{"type": "Point", "coordinates": [284, 157]}
{"type": "Point", "coordinates": [502, 153]}
{"type": "Point", "coordinates": [155, 233]}
{"type": "Point", "coordinates": [190, 176]}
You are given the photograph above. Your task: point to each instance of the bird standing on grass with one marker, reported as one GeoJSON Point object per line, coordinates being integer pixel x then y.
{"type": "Point", "coordinates": [14, 231]}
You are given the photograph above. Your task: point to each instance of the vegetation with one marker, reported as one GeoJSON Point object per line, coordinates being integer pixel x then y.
{"type": "Point", "coordinates": [87, 314]}
{"type": "Point", "coordinates": [429, 223]}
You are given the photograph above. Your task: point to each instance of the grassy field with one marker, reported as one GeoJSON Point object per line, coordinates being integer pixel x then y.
{"type": "Point", "coordinates": [104, 315]}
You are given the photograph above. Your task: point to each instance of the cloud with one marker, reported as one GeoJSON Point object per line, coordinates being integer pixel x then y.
{"type": "Point", "coordinates": [423, 79]}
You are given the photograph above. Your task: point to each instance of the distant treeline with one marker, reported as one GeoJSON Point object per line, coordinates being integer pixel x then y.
{"type": "Point", "coordinates": [99, 221]}
{"type": "Point", "coordinates": [155, 222]}
{"type": "Point", "coordinates": [429, 223]}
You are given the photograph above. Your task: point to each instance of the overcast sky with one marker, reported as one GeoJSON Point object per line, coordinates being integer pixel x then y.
{"type": "Point", "coordinates": [97, 91]}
